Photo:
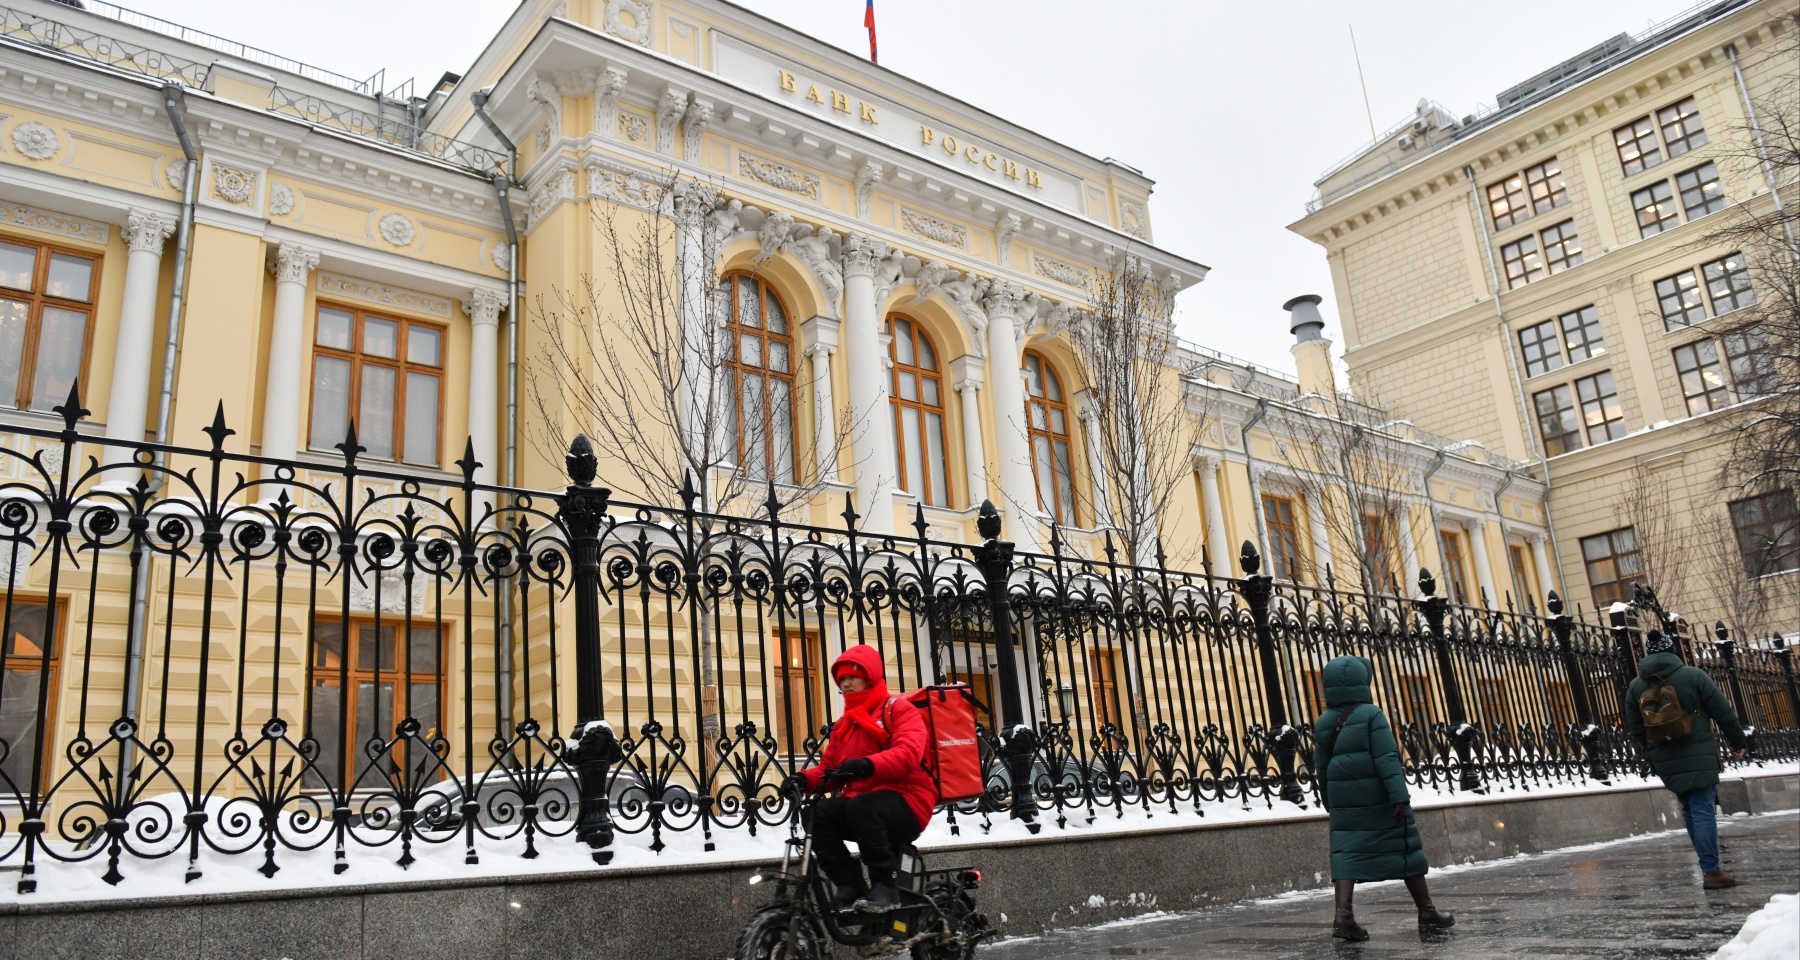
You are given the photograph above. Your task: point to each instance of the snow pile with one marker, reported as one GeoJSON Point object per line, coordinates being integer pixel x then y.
{"type": "Point", "coordinates": [1772, 933]}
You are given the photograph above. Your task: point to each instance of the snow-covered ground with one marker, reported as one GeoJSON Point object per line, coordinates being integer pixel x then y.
{"type": "Point", "coordinates": [1772, 933]}
{"type": "Point", "coordinates": [306, 869]}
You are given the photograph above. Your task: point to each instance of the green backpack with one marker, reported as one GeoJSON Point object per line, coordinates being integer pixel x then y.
{"type": "Point", "coordinates": [1665, 722]}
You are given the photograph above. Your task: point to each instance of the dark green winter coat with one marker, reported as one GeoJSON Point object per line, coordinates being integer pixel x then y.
{"type": "Point", "coordinates": [1362, 781]}
{"type": "Point", "coordinates": [1692, 764]}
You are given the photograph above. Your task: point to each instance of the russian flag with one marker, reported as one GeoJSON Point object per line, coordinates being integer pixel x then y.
{"type": "Point", "coordinates": [869, 21]}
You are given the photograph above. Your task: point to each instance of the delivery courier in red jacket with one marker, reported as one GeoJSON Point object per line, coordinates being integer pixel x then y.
{"type": "Point", "coordinates": [878, 746]}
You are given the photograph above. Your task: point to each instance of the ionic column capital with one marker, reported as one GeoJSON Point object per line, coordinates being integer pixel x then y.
{"type": "Point", "coordinates": [1206, 461]}
{"type": "Point", "coordinates": [484, 306]}
{"type": "Point", "coordinates": [860, 254]}
{"type": "Point", "coordinates": [293, 262]}
{"type": "Point", "coordinates": [145, 231]}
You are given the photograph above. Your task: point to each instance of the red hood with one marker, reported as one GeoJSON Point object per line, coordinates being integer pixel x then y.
{"type": "Point", "coordinates": [864, 656]}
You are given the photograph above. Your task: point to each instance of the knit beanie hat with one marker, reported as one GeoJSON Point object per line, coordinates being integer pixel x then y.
{"type": "Point", "coordinates": [1659, 642]}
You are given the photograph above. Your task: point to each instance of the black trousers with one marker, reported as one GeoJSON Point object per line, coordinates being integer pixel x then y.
{"type": "Point", "coordinates": [880, 823]}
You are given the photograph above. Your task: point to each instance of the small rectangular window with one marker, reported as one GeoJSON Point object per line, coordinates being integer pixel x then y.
{"type": "Point", "coordinates": [1581, 333]}
{"type": "Point", "coordinates": [1701, 192]}
{"type": "Point", "coordinates": [1752, 364]}
{"type": "Point", "coordinates": [1562, 248]}
{"type": "Point", "coordinates": [1681, 127]}
{"type": "Point", "coordinates": [1655, 209]}
{"type": "Point", "coordinates": [1636, 142]}
{"type": "Point", "coordinates": [1702, 377]}
{"type": "Point", "coordinates": [1768, 532]}
{"type": "Point", "coordinates": [1557, 422]}
{"type": "Point", "coordinates": [1523, 264]}
{"type": "Point", "coordinates": [1613, 565]}
{"type": "Point", "coordinates": [1728, 284]}
{"type": "Point", "coordinates": [1284, 537]}
{"type": "Point", "coordinates": [1601, 412]}
{"type": "Point", "coordinates": [1506, 201]}
{"type": "Point", "coordinates": [1549, 188]}
{"type": "Point", "coordinates": [1453, 566]}
{"type": "Point", "coordinates": [1539, 344]}
{"type": "Point", "coordinates": [1679, 299]}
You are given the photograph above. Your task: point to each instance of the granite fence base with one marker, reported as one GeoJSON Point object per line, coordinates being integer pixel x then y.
{"type": "Point", "coordinates": [694, 912]}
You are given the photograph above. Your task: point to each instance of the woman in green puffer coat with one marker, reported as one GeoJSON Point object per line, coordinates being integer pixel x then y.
{"type": "Point", "coordinates": [1357, 761]}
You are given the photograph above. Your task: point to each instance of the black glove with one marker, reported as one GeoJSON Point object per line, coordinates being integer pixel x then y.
{"type": "Point", "coordinates": [795, 785]}
{"type": "Point", "coordinates": [1400, 811]}
{"type": "Point", "coordinates": [861, 768]}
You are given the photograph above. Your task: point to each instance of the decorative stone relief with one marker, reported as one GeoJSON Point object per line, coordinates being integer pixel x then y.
{"type": "Point", "coordinates": [669, 111]}
{"type": "Point", "coordinates": [281, 200]}
{"type": "Point", "coordinates": [380, 293]}
{"type": "Point", "coordinates": [934, 228]}
{"type": "Point", "coordinates": [861, 254]}
{"type": "Point", "coordinates": [633, 128]}
{"type": "Point", "coordinates": [398, 229]}
{"type": "Point", "coordinates": [699, 114]}
{"type": "Point", "coordinates": [176, 171]}
{"type": "Point", "coordinates": [499, 254]}
{"type": "Point", "coordinates": [629, 20]}
{"type": "Point", "coordinates": [1133, 219]}
{"type": "Point", "coordinates": [1004, 231]}
{"type": "Point", "coordinates": [818, 249]}
{"type": "Point", "coordinates": [31, 218]}
{"type": "Point", "coordinates": [393, 592]}
{"type": "Point", "coordinates": [930, 278]}
{"type": "Point", "coordinates": [232, 185]}
{"type": "Point", "coordinates": [544, 93]}
{"type": "Point", "coordinates": [866, 179]}
{"type": "Point", "coordinates": [1054, 269]}
{"type": "Point", "coordinates": [607, 88]}
{"type": "Point", "coordinates": [777, 175]}
{"type": "Point", "coordinates": [293, 262]}
{"type": "Point", "coordinates": [622, 185]}
{"type": "Point", "coordinates": [557, 189]}
{"type": "Point", "coordinates": [484, 306]}
{"type": "Point", "coordinates": [146, 231]}
{"type": "Point", "coordinates": [35, 141]}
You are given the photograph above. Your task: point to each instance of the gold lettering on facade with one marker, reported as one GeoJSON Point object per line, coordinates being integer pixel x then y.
{"type": "Point", "coordinates": [868, 113]}
{"type": "Point", "coordinates": [813, 94]}
{"type": "Point", "coordinates": [927, 135]}
{"type": "Point", "coordinates": [988, 162]}
{"type": "Point", "coordinates": [1012, 169]}
{"type": "Point", "coordinates": [949, 145]}
{"type": "Point", "coordinates": [787, 81]}
{"type": "Point", "coordinates": [840, 102]}
{"type": "Point", "coordinates": [974, 154]}
{"type": "Point", "coordinates": [1031, 178]}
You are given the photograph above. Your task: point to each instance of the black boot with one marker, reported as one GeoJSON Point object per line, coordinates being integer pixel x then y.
{"type": "Point", "coordinates": [1343, 921]}
{"type": "Point", "coordinates": [883, 894]}
{"type": "Point", "coordinates": [850, 886]}
{"type": "Point", "coordinates": [1430, 918]}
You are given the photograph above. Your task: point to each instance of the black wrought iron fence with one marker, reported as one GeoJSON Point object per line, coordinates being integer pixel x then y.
{"type": "Point", "coordinates": [208, 654]}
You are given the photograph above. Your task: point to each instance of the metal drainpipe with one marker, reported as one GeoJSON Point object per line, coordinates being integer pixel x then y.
{"type": "Point", "coordinates": [1761, 148]}
{"type": "Point", "coordinates": [502, 184]}
{"type": "Point", "coordinates": [1512, 363]}
{"type": "Point", "coordinates": [1437, 539]}
{"type": "Point", "coordinates": [1357, 436]}
{"type": "Point", "coordinates": [1262, 522]}
{"type": "Point", "coordinates": [140, 608]}
{"type": "Point", "coordinates": [1512, 474]}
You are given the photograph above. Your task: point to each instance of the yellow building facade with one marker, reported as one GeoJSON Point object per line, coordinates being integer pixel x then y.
{"type": "Point", "coordinates": [1543, 276]}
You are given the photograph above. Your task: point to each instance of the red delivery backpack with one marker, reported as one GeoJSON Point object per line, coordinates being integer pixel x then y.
{"type": "Point", "coordinates": [952, 754]}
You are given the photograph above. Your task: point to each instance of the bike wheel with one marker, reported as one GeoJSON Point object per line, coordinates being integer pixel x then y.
{"type": "Point", "coordinates": [766, 937]}
{"type": "Point", "coordinates": [960, 916]}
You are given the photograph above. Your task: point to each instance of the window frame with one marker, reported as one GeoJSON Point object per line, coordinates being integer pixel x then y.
{"type": "Point", "coordinates": [1567, 412]}
{"type": "Point", "coordinates": [1785, 528]}
{"type": "Point", "coordinates": [1677, 296]}
{"type": "Point", "coordinates": [1283, 529]}
{"type": "Point", "coordinates": [1665, 214]}
{"type": "Point", "coordinates": [1515, 558]}
{"type": "Point", "coordinates": [1450, 544]}
{"type": "Point", "coordinates": [786, 677]}
{"type": "Point", "coordinates": [1380, 547]}
{"type": "Point", "coordinates": [403, 677]}
{"type": "Point", "coordinates": [1672, 116]}
{"type": "Point", "coordinates": [399, 363]}
{"type": "Point", "coordinates": [1765, 378]}
{"type": "Point", "coordinates": [1641, 130]}
{"type": "Point", "coordinates": [924, 410]}
{"type": "Point", "coordinates": [1522, 261]}
{"type": "Point", "coordinates": [1707, 205]}
{"type": "Point", "coordinates": [1691, 366]}
{"type": "Point", "coordinates": [48, 672]}
{"type": "Point", "coordinates": [734, 331]}
{"type": "Point", "coordinates": [1586, 318]}
{"type": "Point", "coordinates": [1618, 589]}
{"type": "Point", "coordinates": [1048, 434]}
{"type": "Point", "coordinates": [1605, 424]}
{"type": "Point", "coordinates": [1545, 338]}
{"type": "Point", "coordinates": [1567, 246]}
{"type": "Point", "coordinates": [1738, 296]}
{"type": "Point", "coordinates": [36, 302]}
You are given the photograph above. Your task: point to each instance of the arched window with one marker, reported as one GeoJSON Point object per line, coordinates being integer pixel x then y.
{"type": "Point", "coordinates": [1047, 414]}
{"type": "Point", "coordinates": [918, 401]}
{"type": "Point", "coordinates": [760, 376]}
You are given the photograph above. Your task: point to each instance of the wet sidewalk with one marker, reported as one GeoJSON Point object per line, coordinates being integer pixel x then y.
{"type": "Point", "coordinates": [1632, 900]}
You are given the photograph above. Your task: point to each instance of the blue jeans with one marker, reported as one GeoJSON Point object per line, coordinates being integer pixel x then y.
{"type": "Point", "coordinates": [1699, 813]}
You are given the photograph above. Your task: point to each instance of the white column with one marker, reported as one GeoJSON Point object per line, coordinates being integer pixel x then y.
{"type": "Point", "coordinates": [703, 343]}
{"type": "Point", "coordinates": [1004, 303]}
{"type": "Point", "coordinates": [1540, 557]}
{"type": "Point", "coordinates": [1090, 426]}
{"type": "Point", "coordinates": [824, 423]}
{"type": "Point", "coordinates": [1321, 539]}
{"type": "Point", "coordinates": [130, 398]}
{"type": "Point", "coordinates": [1409, 550]}
{"type": "Point", "coordinates": [1218, 548]}
{"type": "Point", "coordinates": [1484, 571]}
{"type": "Point", "coordinates": [483, 308]}
{"type": "Point", "coordinates": [968, 386]}
{"type": "Point", "coordinates": [873, 437]}
{"type": "Point", "coordinates": [287, 352]}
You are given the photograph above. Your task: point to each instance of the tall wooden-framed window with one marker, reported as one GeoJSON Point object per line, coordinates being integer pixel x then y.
{"type": "Point", "coordinates": [386, 372]}
{"type": "Point", "coordinates": [23, 677]}
{"type": "Point", "coordinates": [1515, 556]}
{"type": "Point", "coordinates": [1381, 550]}
{"type": "Point", "coordinates": [1312, 689]}
{"type": "Point", "coordinates": [1047, 417]}
{"type": "Point", "coordinates": [389, 681]}
{"type": "Point", "coordinates": [1110, 700]}
{"type": "Point", "coordinates": [1284, 537]}
{"type": "Point", "coordinates": [1453, 566]}
{"type": "Point", "coordinates": [759, 375]}
{"type": "Point", "coordinates": [1415, 688]}
{"type": "Point", "coordinates": [798, 710]}
{"type": "Point", "coordinates": [1613, 565]}
{"type": "Point", "coordinates": [47, 296]}
{"type": "Point", "coordinates": [1494, 705]}
{"type": "Point", "coordinates": [918, 401]}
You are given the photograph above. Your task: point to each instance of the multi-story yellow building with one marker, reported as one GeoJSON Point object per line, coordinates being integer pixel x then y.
{"type": "Point", "coordinates": [1544, 276]}
{"type": "Point", "coordinates": [192, 229]}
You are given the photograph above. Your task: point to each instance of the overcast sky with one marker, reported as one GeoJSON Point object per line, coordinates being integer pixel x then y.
{"type": "Point", "coordinates": [1232, 108]}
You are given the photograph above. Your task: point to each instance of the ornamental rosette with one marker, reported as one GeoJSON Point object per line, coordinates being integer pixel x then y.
{"type": "Point", "coordinates": [35, 141]}
{"type": "Point", "coordinates": [398, 229]}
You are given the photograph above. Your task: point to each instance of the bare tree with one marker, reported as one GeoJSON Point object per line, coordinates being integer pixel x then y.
{"type": "Point", "coordinates": [1142, 428]}
{"type": "Point", "coordinates": [1741, 595]}
{"type": "Point", "coordinates": [1667, 542]}
{"type": "Point", "coordinates": [644, 360]}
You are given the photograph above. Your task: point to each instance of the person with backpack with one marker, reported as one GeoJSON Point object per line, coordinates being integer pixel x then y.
{"type": "Point", "coordinates": [878, 748]}
{"type": "Point", "coordinates": [1363, 785]}
{"type": "Point", "coordinates": [1670, 709]}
